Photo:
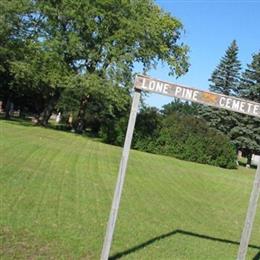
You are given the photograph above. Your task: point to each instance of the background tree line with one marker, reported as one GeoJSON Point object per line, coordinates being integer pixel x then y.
{"type": "Point", "coordinates": [78, 58]}
{"type": "Point", "coordinates": [227, 78]}
{"type": "Point", "coordinates": [205, 134]}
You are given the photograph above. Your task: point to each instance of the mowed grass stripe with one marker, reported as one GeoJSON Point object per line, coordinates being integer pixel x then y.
{"type": "Point", "coordinates": [27, 183]}
{"type": "Point", "coordinates": [200, 215]}
{"type": "Point", "coordinates": [19, 179]}
{"type": "Point", "coordinates": [67, 183]}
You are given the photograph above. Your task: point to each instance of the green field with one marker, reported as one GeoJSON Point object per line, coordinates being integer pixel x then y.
{"type": "Point", "coordinates": [56, 190]}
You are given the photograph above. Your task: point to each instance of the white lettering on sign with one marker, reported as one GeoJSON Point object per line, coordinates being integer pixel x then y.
{"type": "Point", "coordinates": [155, 86]}
{"type": "Point", "coordinates": [143, 84]}
{"type": "Point", "coordinates": [177, 91]}
{"type": "Point", "coordinates": [202, 97]}
{"type": "Point", "coordinates": [152, 85]}
{"type": "Point", "coordinates": [222, 102]}
{"type": "Point", "coordinates": [229, 102]}
{"type": "Point", "coordinates": [250, 106]}
{"type": "Point", "coordinates": [185, 93]}
{"type": "Point", "coordinates": [239, 106]}
{"type": "Point", "coordinates": [242, 107]}
{"type": "Point", "coordinates": [165, 88]}
{"type": "Point", "coordinates": [159, 86]}
{"type": "Point", "coordinates": [235, 104]}
{"type": "Point", "coordinates": [195, 95]}
{"type": "Point", "coordinates": [256, 109]}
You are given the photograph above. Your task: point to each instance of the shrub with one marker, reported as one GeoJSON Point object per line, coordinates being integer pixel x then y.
{"type": "Point", "coordinates": [175, 134]}
{"type": "Point", "coordinates": [189, 138]}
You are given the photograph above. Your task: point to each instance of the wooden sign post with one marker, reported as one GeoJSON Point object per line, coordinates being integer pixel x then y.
{"type": "Point", "coordinates": [121, 177]}
{"type": "Point", "coordinates": [203, 97]}
{"type": "Point", "coordinates": [249, 217]}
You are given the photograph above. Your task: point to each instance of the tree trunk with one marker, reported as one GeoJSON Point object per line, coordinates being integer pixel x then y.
{"type": "Point", "coordinates": [249, 159]}
{"type": "Point", "coordinates": [22, 113]}
{"type": "Point", "coordinates": [46, 114]}
{"type": "Point", "coordinates": [80, 126]}
{"type": "Point", "coordinates": [7, 109]}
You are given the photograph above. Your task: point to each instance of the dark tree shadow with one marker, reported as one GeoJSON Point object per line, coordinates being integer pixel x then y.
{"type": "Point", "coordinates": [257, 256]}
{"type": "Point", "coordinates": [62, 127]}
{"type": "Point", "coordinates": [18, 121]}
{"type": "Point", "coordinates": [141, 246]}
{"type": "Point", "coordinates": [182, 232]}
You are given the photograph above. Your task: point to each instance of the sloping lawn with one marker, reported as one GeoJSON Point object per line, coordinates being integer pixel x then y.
{"type": "Point", "coordinates": [56, 190]}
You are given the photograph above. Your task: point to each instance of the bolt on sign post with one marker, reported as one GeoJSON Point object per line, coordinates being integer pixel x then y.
{"type": "Point", "coordinates": [191, 94]}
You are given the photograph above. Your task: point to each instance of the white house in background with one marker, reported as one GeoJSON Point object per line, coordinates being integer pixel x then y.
{"type": "Point", "coordinates": [255, 159]}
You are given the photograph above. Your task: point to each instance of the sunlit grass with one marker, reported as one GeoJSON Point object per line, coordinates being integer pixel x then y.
{"type": "Point", "coordinates": [56, 190]}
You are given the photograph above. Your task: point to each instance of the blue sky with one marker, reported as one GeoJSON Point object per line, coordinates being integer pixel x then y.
{"type": "Point", "coordinates": [210, 26]}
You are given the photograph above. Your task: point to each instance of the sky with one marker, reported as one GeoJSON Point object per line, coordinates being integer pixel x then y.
{"type": "Point", "coordinates": [209, 29]}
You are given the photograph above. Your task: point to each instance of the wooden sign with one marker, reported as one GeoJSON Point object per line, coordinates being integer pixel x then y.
{"type": "Point", "coordinates": [203, 97]}
{"type": "Point", "coordinates": [207, 98]}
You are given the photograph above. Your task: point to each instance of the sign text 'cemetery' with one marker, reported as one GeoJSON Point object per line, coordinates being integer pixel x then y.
{"type": "Point", "coordinates": [198, 96]}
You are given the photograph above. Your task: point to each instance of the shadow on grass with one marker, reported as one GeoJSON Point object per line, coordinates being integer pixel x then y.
{"type": "Point", "coordinates": [61, 127]}
{"type": "Point", "coordinates": [257, 256]}
{"type": "Point", "coordinates": [28, 122]}
{"type": "Point", "coordinates": [58, 127]}
{"type": "Point", "coordinates": [18, 121]}
{"type": "Point", "coordinates": [182, 232]}
{"type": "Point", "coordinates": [243, 164]}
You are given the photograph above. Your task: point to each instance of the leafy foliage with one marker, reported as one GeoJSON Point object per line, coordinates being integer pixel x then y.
{"type": "Point", "coordinates": [64, 42]}
{"type": "Point", "coordinates": [12, 45]}
{"type": "Point", "coordinates": [147, 130]}
{"type": "Point", "coordinates": [189, 138]}
{"type": "Point", "coordinates": [246, 135]}
{"type": "Point", "coordinates": [183, 136]}
{"type": "Point", "coordinates": [178, 106]}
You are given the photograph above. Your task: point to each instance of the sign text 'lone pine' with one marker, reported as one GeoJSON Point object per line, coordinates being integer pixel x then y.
{"type": "Point", "coordinates": [207, 98]}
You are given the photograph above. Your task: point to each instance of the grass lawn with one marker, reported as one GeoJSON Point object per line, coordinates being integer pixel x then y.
{"type": "Point", "coordinates": [56, 190]}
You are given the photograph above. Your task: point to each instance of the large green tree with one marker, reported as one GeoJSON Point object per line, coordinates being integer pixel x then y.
{"type": "Point", "coordinates": [185, 108]}
{"type": "Point", "coordinates": [102, 38]}
{"type": "Point", "coordinates": [225, 80]}
{"type": "Point", "coordinates": [250, 82]}
{"type": "Point", "coordinates": [246, 134]}
{"type": "Point", "coordinates": [242, 130]}
{"type": "Point", "coordinates": [13, 24]}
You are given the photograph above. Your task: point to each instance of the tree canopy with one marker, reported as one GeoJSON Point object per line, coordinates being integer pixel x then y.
{"type": "Point", "coordinates": [226, 77]}
{"type": "Point", "coordinates": [250, 82]}
{"type": "Point", "coordinates": [68, 42]}
{"type": "Point", "coordinates": [225, 80]}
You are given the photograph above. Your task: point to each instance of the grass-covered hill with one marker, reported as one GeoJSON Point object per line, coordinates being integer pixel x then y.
{"type": "Point", "coordinates": [56, 190]}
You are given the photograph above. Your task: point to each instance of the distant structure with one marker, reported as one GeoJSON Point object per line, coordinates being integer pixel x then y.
{"type": "Point", "coordinates": [58, 117]}
{"type": "Point", "coordinates": [255, 159]}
